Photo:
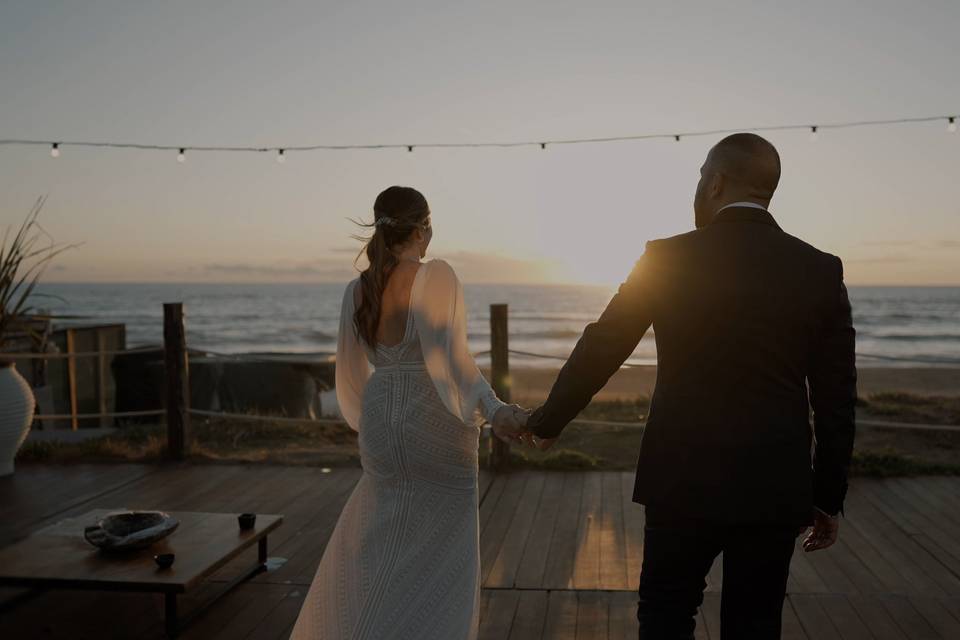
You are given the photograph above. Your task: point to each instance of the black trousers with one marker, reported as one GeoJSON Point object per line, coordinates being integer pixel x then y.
{"type": "Point", "coordinates": [678, 554]}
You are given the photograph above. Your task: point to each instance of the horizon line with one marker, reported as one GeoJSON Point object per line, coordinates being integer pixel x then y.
{"type": "Point", "coordinates": [466, 282]}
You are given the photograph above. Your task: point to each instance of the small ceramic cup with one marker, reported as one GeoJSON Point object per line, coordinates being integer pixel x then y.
{"type": "Point", "coordinates": [247, 520]}
{"type": "Point", "coordinates": [164, 560]}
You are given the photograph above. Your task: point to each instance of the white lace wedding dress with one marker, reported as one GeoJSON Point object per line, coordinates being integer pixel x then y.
{"type": "Point", "coordinates": [403, 560]}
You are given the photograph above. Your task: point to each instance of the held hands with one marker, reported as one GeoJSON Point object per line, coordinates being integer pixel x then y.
{"type": "Point", "coordinates": [509, 424]}
{"type": "Point", "coordinates": [825, 530]}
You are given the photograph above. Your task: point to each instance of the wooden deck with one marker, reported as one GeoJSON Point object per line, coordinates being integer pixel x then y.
{"type": "Point", "coordinates": [560, 554]}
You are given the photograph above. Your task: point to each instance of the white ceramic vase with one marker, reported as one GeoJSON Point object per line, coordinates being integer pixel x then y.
{"type": "Point", "coordinates": [16, 414]}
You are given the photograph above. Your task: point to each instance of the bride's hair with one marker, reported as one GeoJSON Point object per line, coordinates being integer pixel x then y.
{"type": "Point", "coordinates": [397, 213]}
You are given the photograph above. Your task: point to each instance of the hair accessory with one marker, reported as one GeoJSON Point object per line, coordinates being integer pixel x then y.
{"type": "Point", "coordinates": [385, 220]}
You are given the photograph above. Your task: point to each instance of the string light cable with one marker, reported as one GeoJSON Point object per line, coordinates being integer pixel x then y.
{"type": "Point", "coordinates": [282, 152]}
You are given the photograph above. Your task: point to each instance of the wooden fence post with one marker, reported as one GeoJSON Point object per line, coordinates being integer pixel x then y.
{"type": "Point", "coordinates": [500, 375]}
{"type": "Point", "coordinates": [177, 379]}
{"type": "Point", "coordinates": [102, 377]}
{"type": "Point", "coordinates": [72, 378]}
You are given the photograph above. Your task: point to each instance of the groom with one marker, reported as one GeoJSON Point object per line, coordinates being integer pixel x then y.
{"type": "Point", "coordinates": [753, 329]}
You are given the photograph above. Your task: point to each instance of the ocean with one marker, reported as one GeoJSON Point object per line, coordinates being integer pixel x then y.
{"type": "Point", "coordinates": [897, 326]}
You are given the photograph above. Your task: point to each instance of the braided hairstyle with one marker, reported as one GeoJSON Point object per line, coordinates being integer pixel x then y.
{"type": "Point", "coordinates": [398, 212]}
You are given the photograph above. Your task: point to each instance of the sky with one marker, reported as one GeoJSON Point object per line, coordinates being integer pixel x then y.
{"type": "Point", "coordinates": [886, 199]}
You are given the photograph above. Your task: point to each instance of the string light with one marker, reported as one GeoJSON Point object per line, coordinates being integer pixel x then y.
{"type": "Point", "coordinates": [182, 156]}
{"type": "Point", "coordinates": [951, 127]}
{"type": "Point", "coordinates": [280, 157]}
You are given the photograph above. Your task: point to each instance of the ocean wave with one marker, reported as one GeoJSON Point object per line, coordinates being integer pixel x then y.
{"type": "Point", "coordinates": [913, 337]}
{"type": "Point", "coordinates": [559, 334]}
{"type": "Point", "coordinates": [319, 336]}
{"type": "Point", "coordinates": [545, 317]}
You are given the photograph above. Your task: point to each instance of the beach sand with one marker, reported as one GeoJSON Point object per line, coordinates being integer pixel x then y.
{"type": "Point", "coordinates": [533, 385]}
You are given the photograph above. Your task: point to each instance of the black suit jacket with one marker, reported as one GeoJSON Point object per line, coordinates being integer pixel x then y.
{"type": "Point", "coordinates": [753, 328]}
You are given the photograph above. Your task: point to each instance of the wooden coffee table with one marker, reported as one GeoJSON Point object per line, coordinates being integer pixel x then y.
{"type": "Point", "coordinates": [58, 557]}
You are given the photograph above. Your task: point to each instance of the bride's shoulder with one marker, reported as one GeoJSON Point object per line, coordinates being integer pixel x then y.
{"type": "Point", "coordinates": [439, 272]}
{"type": "Point", "coordinates": [439, 267]}
{"type": "Point", "coordinates": [352, 292]}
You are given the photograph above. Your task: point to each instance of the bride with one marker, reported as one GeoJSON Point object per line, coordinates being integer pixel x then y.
{"type": "Point", "coordinates": [403, 560]}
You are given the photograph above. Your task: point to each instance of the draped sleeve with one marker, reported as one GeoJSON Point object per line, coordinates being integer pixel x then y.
{"type": "Point", "coordinates": [441, 321]}
{"type": "Point", "coordinates": [352, 367]}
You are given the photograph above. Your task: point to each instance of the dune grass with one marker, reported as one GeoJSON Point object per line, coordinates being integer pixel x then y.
{"type": "Point", "coordinates": [878, 452]}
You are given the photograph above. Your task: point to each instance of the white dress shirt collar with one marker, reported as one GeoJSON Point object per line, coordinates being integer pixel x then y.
{"type": "Point", "coordinates": [750, 205]}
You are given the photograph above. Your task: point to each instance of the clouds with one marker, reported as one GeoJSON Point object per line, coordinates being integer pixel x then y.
{"type": "Point", "coordinates": [471, 266]}
{"type": "Point", "coordinates": [320, 270]}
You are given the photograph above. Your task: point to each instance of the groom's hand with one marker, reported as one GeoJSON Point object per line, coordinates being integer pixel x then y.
{"type": "Point", "coordinates": [825, 530]}
{"type": "Point", "coordinates": [508, 424]}
{"type": "Point", "coordinates": [544, 443]}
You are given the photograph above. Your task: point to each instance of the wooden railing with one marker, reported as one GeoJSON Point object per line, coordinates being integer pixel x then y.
{"type": "Point", "coordinates": [177, 410]}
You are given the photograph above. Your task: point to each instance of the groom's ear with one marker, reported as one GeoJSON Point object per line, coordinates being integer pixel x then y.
{"type": "Point", "coordinates": [717, 182]}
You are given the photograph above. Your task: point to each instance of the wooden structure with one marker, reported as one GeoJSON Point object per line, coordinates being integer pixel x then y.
{"type": "Point", "coordinates": [177, 381]}
{"type": "Point", "coordinates": [58, 557]}
{"type": "Point", "coordinates": [500, 376]}
{"type": "Point", "coordinates": [560, 554]}
{"type": "Point", "coordinates": [75, 385]}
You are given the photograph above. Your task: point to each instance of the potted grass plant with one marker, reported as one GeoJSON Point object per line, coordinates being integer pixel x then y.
{"type": "Point", "coordinates": [23, 259]}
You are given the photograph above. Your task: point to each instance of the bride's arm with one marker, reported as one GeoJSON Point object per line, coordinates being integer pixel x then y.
{"type": "Point", "coordinates": [441, 320]}
{"type": "Point", "coordinates": [352, 368]}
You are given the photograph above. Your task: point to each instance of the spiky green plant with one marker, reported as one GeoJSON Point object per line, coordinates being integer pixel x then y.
{"type": "Point", "coordinates": [22, 262]}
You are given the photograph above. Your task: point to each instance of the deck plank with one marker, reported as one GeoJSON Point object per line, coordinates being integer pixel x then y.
{"type": "Point", "coordinates": [561, 623]}
{"type": "Point", "coordinates": [877, 618]}
{"type": "Point", "coordinates": [563, 548]}
{"type": "Point", "coordinates": [563, 545]}
{"type": "Point", "coordinates": [613, 544]}
{"type": "Point", "coordinates": [506, 565]}
{"type": "Point", "coordinates": [500, 611]}
{"type": "Point", "coordinates": [586, 567]}
{"type": "Point", "coordinates": [633, 521]}
{"type": "Point", "coordinates": [495, 533]}
{"type": "Point", "coordinates": [533, 564]}
{"type": "Point", "coordinates": [812, 617]}
{"type": "Point", "coordinates": [845, 617]}
{"type": "Point", "coordinates": [531, 616]}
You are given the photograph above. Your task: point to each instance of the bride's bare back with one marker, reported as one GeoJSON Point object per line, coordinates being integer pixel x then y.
{"type": "Point", "coordinates": [396, 304]}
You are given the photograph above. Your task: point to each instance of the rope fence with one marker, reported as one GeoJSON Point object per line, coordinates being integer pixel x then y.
{"type": "Point", "coordinates": [248, 417]}
{"type": "Point", "coordinates": [628, 365]}
{"type": "Point", "coordinates": [109, 414]}
{"type": "Point", "coordinates": [177, 411]}
{"type": "Point", "coordinates": [56, 355]}
{"type": "Point", "coordinates": [280, 357]}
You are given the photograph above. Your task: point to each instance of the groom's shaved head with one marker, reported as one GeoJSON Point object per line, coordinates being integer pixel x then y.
{"type": "Point", "coordinates": [748, 161]}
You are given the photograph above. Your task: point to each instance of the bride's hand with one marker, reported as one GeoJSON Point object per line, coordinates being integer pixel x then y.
{"type": "Point", "coordinates": [521, 416]}
{"type": "Point", "coordinates": [506, 424]}
{"type": "Point", "coordinates": [509, 424]}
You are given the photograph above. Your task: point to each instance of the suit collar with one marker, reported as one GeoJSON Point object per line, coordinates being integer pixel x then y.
{"type": "Point", "coordinates": [744, 214]}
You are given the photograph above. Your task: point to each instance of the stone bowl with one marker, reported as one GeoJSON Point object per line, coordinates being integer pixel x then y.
{"type": "Point", "coordinates": [129, 530]}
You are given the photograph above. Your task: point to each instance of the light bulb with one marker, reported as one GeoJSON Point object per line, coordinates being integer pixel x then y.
{"type": "Point", "coordinates": [813, 134]}
{"type": "Point", "coordinates": [280, 157]}
{"type": "Point", "coordinates": [55, 150]}
{"type": "Point", "coordinates": [182, 156]}
{"type": "Point", "coordinates": [952, 124]}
